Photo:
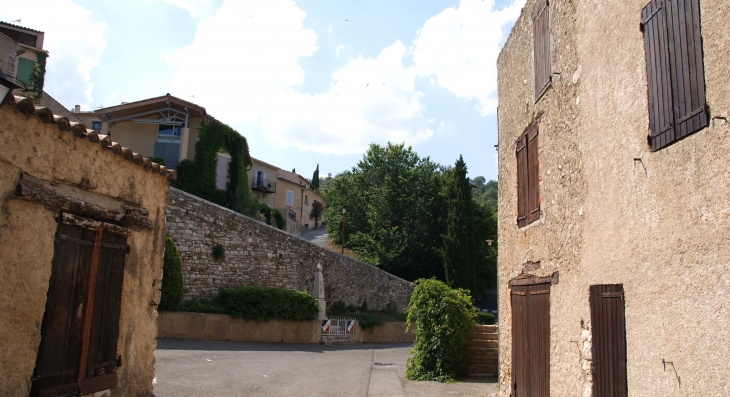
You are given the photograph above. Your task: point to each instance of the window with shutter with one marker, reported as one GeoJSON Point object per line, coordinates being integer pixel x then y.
{"type": "Point", "coordinates": [528, 177]}
{"type": "Point", "coordinates": [674, 69]}
{"type": "Point", "coordinates": [80, 329]}
{"type": "Point", "coordinates": [541, 48]}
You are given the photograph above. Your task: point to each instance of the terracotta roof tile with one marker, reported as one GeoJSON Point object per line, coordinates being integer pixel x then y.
{"type": "Point", "coordinates": [79, 130]}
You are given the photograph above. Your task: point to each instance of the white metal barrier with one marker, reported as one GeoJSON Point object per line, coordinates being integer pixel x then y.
{"type": "Point", "coordinates": [338, 326]}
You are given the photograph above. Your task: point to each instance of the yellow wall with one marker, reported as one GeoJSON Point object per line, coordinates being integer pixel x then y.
{"type": "Point", "coordinates": [271, 172]}
{"type": "Point", "coordinates": [136, 136]}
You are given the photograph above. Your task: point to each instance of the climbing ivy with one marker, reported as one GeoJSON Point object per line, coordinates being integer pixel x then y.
{"type": "Point", "coordinates": [198, 177]}
{"type": "Point", "coordinates": [34, 89]}
{"type": "Point", "coordinates": [444, 318]}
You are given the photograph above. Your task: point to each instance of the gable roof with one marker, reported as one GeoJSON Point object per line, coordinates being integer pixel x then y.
{"type": "Point", "coordinates": [79, 130]}
{"type": "Point", "coordinates": [149, 107]}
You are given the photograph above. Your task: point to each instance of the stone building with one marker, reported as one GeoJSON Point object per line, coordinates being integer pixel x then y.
{"type": "Point", "coordinates": [613, 199]}
{"type": "Point", "coordinates": [82, 227]}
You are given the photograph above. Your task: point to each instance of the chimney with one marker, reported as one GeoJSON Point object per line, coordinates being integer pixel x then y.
{"type": "Point", "coordinates": [77, 108]}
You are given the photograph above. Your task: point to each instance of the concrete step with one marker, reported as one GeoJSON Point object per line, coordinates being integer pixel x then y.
{"type": "Point", "coordinates": [484, 336]}
{"type": "Point", "coordinates": [482, 352]}
{"type": "Point", "coordinates": [483, 370]}
{"type": "Point", "coordinates": [490, 329]}
{"type": "Point", "coordinates": [491, 344]}
{"type": "Point", "coordinates": [483, 361]}
{"type": "Point", "coordinates": [338, 340]}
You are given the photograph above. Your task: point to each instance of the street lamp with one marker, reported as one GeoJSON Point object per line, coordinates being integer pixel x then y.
{"type": "Point", "coordinates": [344, 209]}
{"type": "Point", "coordinates": [6, 86]}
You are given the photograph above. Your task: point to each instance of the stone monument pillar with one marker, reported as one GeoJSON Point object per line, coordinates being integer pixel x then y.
{"type": "Point", "coordinates": [318, 292]}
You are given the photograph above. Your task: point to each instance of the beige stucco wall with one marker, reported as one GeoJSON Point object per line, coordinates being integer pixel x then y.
{"type": "Point", "coordinates": [141, 137]}
{"type": "Point", "coordinates": [657, 225]}
{"type": "Point", "coordinates": [27, 232]}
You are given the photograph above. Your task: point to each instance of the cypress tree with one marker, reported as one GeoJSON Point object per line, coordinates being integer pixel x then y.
{"type": "Point", "coordinates": [456, 252]}
{"type": "Point", "coordinates": [315, 178]}
{"type": "Point", "coordinates": [172, 283]}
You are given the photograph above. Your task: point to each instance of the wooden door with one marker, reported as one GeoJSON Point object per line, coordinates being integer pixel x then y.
{"type": "Point", "coordinates": [608, 325]}
{"type": "Point", "coordinates": [80, 326]}
{"type": "Point", "coordinates": [531, 340]}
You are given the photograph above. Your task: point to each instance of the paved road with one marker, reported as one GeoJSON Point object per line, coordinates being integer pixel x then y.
{"type": "Point", "coordinates": [211, 368]}
{"type": "Point", "coordinates": [317, 236]}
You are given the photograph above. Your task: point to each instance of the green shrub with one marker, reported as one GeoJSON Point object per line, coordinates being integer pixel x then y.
{"type": "Point", "coordinates": [485, 318]}
{"type": "Point", "coordinates": [172, 283]}
{"type": "Point", "coordinates": [351, 308]}
{"type": "Point", "coordinates": [444, 318]}
{"type": "Point", "coordinates": [368, 320]}
{"type": "Point", "coordinates": [218, 252]}
{"type": "Point", "coordinates": [201, 305]}
{"type": "Point", "coordinates": [158, 160]}
{"type": "Point", "coordinates": [364, 306]}
{"type": "Point", "coordinates": [337, 308]}
{"type": "Point", "coordinates": [263, 304]}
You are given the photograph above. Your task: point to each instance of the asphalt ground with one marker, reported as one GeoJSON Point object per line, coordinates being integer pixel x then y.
{"type": "Point", "coordinates": [221, 368]}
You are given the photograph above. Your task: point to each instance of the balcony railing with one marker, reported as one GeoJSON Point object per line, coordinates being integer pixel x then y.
{"type": "Point", "coordinates": [264, 185]}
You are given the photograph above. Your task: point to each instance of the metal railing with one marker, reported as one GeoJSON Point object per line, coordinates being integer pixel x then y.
{"type": "Point", "coordinates": [338, 326]}
{"type": "Point", "coordinates": [264, 185]}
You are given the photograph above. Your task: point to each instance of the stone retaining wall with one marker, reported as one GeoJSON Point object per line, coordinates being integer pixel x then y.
{"type": "Point", "coordinates": [262, 255]}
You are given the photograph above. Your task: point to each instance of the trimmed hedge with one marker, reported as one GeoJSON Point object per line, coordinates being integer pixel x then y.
{"type": "Point", "coordinates": [444, 318]}
{"type": "Point", "coordinates": [258, 304]}
{"type": "Point", "coordinates": [172, 283]}
{"type": "Point", "coordinates": [485, 318]}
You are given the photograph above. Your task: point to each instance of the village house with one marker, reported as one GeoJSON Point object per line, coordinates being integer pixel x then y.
{"type": "Point", "coordinates": [82, 229]}
{"type": "Point", "coordinates": [290, 193]}
{"type": "Point", "coordinates": [613, 199]}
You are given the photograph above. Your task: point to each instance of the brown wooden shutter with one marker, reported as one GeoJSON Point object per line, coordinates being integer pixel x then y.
{"type": "Point", "coordinates": [533, 175]}
{"type": "Point", "coordinates": [102, 354]}
{"type": "Point", "coordinates": [541, 47]}
{"type": "Point", "coordinates": [520, 351]}
{"type": "Point", "coordinates": [522, 182]}
{"type": "Point", "coordinates": [608, 326]}
{"type": "Point", "coordinates": [688, 77]}
{"type": "Point", "coordinates": [661, 113]}
{"type": "Point", "coordinates": [675, 70]}
{"type": "Point", "coordinates": [60, 348]}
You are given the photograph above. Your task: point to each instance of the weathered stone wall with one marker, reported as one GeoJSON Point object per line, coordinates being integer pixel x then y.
{"type": "Point", "coordinates": [259, 254]}
{"type": "Point", "coordinates": [611, 210]}
{"type": "Point", "coordinates": [27, 232]}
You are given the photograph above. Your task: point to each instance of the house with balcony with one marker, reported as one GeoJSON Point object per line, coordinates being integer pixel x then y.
{"type": "Point", "coordinates": [290, 193]}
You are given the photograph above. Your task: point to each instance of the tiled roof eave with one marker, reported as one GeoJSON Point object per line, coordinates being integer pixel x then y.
{"type": "Point", "coordinates": [79, 130]}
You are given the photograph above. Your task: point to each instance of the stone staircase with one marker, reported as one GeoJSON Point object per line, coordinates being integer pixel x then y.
{"type": "Point", "coordinates": [483, 350]}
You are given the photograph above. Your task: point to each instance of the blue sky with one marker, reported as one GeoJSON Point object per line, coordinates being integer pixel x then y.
{"type": "Point", "coordinates": [306, 82]}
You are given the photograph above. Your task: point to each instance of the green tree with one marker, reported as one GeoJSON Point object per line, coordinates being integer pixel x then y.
{"type": "Point", "coordinates": [395, 211]}
{"type": "Point", "coordinates": [171, 294]}
{"type": "Point", "coordinates": [317, 211]}
{"type": "Point", "coordinates": [485, 192]}
{"type": "Point", "coordinates": [457, 248]}
{"type": "Point", "coordinates": [484, 246]}
{"type": "Point", "coordinates": [315, 178]}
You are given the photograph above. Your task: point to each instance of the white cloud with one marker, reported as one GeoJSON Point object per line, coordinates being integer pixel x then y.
{"type": "Point", "coordinates": [74, 42]}
{"type": "Point", "coordinates": [459, 47]}
{"type": "Point", "coordinates": [196, 8]}
{"type": "Point", "coordinates": [372, 100]}
{"type": "Point", "coordinates": [338, 49]}
{"type": "Point", "coordinates": [243, 58]}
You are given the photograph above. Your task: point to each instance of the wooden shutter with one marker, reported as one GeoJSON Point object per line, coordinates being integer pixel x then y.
{"type": "Point", "coordinates": [608, 325]}
{"type": "Point", "coordinates": [60, 348]}
{"type": "Point", "coordinates": [674, 69]}
{"type": "Point", "coordinates": [80, 328]}
{"type": "Point", "coordinates": [533, 176]}
{"type": "Point", "coordinates": [541, 47]}
{"type": "Point", "coordinates": [522, 182]}
{"type": "Point", "coordinates": [531, 340]}
{"type": "Point", "coordinates": [101, 361]}
{"type": "Point", "coordinates": [688, 72]}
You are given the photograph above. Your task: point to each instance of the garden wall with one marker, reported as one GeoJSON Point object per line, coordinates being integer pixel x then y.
{"type": "Point", "coordinates": [261, 255]}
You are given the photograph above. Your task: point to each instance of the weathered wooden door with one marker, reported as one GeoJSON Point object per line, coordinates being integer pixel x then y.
{"type": "Point", "coordinates": [608, 325]}
{"type": "Point", "coordinates": [80, 328]}
{"type": "Point", "coordinates": [531, 340]}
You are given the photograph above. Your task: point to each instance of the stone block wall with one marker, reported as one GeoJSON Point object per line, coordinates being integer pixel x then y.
{"type": "Point", "coordinates": [262, 255]}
